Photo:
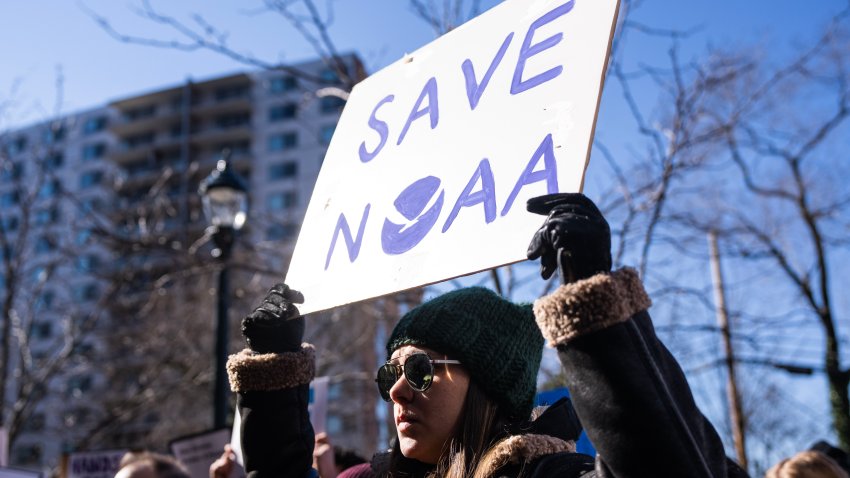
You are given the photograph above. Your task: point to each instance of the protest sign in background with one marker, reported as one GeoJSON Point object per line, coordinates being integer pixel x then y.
{"type": "Point", "coordinates": [197, 452]}
{"type": "Point", "coordinates": [15, 473]}
{"type": "Point", "coordinates": [95, 464]}
{"type": "Point", "coordinates": [432, 161]}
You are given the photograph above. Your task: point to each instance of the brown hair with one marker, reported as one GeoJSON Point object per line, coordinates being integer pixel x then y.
{"type": "Point", "coordinates": [163, 466]}
{"type": "Point", "coordinates": [807, 464]}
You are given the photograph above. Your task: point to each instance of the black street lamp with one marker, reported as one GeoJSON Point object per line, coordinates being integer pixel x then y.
{"type": "Point", "coordinates": [225, 199]}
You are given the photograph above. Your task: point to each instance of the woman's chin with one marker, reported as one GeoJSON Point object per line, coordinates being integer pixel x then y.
{"type": "Point", "coordinates": [415, 450]}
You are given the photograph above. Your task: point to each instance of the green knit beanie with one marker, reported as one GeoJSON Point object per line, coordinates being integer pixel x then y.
{"type": "Point", "coordinates": [497, 341]}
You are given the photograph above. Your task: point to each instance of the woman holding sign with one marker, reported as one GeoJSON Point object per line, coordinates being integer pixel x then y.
{"type": "Point", "coordinates": [461, 372]}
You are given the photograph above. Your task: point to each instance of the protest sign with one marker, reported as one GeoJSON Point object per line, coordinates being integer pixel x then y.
{"type": "Point", "coordinates": [197, 452]}
{"type": "Point", "coordinates": [4, 447]}
{"type": "Point", "coordinates": [433, 158]}
{"type": "Point", "coordinates": [94, 464]}
{"type": "Point", "coordinates": [318, 405]}
{"type": "Point", "coordinates": [236, 437]}
{"type": "Point", "coordinates": [15, 473]}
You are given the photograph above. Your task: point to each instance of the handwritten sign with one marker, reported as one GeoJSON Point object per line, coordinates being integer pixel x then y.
{"type": "Point", "coordinates": [197, 452]}
{"type": "Point", "coordinates": [434, 156]}
{"type": "Point", "coordinates": [96, 464]}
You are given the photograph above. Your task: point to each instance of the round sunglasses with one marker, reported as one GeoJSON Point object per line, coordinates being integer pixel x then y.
{"type": "Point", "coordinates": [418, 370]}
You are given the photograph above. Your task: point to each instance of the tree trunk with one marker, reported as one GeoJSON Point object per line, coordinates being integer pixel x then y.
{"type": "Point", "coordinates": [839, 400]}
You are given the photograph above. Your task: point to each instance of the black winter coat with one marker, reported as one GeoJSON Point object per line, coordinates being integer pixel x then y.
{"type": "Point", "coordinates": [628, 391]}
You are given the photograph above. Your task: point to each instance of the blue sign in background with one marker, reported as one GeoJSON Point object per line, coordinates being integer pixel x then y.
{"type": "Point", "coordinates": [549, 397]}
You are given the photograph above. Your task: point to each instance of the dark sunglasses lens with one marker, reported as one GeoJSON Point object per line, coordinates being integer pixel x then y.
{"type": "Point", "coordinates": [386, 379]}
{"type": "Point", "coordinates": [419, 372]}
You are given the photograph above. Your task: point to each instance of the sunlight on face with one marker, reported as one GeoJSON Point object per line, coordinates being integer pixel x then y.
{"type": "Point", "coordinates": [425, 421]}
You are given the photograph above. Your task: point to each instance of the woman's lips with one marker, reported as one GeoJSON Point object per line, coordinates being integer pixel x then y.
{"type": "Point", "coordinates": [405, 420]}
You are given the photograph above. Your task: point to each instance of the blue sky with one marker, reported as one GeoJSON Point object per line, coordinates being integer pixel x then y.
{"type": "Point", "coordinates": [41, 36]}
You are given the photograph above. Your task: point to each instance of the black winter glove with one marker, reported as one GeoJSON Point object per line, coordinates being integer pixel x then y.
{"type": "Point", "coordinates": [574, 238]}
{"type": "Point", "coordinates": [276, 325]}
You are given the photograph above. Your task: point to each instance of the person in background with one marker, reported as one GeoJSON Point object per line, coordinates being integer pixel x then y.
{"type": "Point", "coordinates": [807, 464]}
{"type": "Point", "coordinates": [837, 454]}
{"type": "Point", "coordinates": [329, 460]}
{"type": "Point", "coordinates": [150, 465]}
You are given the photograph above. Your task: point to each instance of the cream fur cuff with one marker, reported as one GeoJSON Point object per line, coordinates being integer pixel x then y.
{"type": "Point", "coordinates": [251, 372]}
{"type": "Point", "coordinates": [589, 305]}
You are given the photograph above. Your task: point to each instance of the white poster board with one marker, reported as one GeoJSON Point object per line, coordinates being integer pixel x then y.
{"type": "Point", "coordinates": [4, 447]}
{"type": "Point", "coordinates": [94, 464]}
{"type": "Point", "coordinates": [197, 452]}
{"type": "Point", "coordinates": [318, 404]}
{"type": "Point", "coordinates": [434, 157]}
{"type": "Point", "coordinates": [15, 473]}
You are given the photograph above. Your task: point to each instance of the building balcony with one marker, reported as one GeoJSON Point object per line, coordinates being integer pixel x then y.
{"type": "Point", "coordinates": [124, 127]}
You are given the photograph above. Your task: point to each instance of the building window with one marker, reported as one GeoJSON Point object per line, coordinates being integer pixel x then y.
{"type": "Point", "coordinates": [17, 145]}
{"type": "Point", "coordinates": [326, 133]}
{"type": "Point", "coordinates": [85, 292]}
{"type": "Point", "coordinates": [283, 112]}
{"type": "Point", "coordinates": [281, 201]}
{"type": "Point", "coordinates": [39, 274]}
{"type": "Point", "coordinates": [10, 198]}
{"type": "Point", "coordinates": [46, 300]}
{"type": "Point", "coordinates": [91, 178]}
{"type": "Point", "coordinates": [329, 76]}
{"type": "Point", "coordinates": [50, 189]}
{"type": "Point", "coordinates": [35, 423]}
{"type": "Point", "coordinates": [54, 161]}
{"type": "Point", "coordinates": [82, 237]}
{"type": "Point", "coordinates": [45, 244]}
{"type": "Point", "coordinates": [236, 147]}
{"type": "Point", "coordinates": [93, 151]}
{"type": "Point", "coordinates": [281, 232]}
{"type": "Point", "coordinates": [141, 112]}
{"type": "Point", "coordinates": [54, 134]}
{"type": "Point", "coordinates": [91, 205]}
{"type": "Point", "coordinates": [87, 263]}
{"type": "Point", "coordinates": [142, 139]}
{"type": "Point", "coordinates": [28, 455]}
{"type": "Point", "coordinates": [11, 171]}
{"type": "Point", "coordinates": [283, 141]}
{"type": "Point", "coordinates": [333, 424]}
{"type": "Point", "coordinates": [288, 169]}
{"type": "Point", "coordinates": [331, 104]}
{"type": "Point", "coordinates": [232, 120]}
{"type": "Point", "coordinates": [78, 385]}
{"type": "Point", "coordinates": [42, 330]}
{"type": "Point", "coordinates": [94, 124]}
{"type": "Point", "coordinates": [283, 84]}
{"type": "Point", "coordinates": [9, 223]}
{"type": "Point", "coordinates": [46, 216]}
{"type": "Point", "coordinates": [230, 92]}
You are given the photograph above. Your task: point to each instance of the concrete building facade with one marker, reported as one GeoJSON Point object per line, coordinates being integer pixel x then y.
{"type": "Point", "coordinates": [131, 169]}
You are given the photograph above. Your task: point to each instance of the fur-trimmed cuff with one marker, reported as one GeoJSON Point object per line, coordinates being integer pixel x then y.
{"type": "Point", "coordinates": [589, 305]}
{"type": "Point", "coordinates": [252, 372]}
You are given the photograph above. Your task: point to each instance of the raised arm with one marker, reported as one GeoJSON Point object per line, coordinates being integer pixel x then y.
{"type": "Point", "coordinates": [629, 392]}
{"type": "Point", "coordinates": [272, 378]}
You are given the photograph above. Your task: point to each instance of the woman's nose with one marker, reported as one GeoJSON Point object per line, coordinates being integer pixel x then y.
{"type": "Point", "coordinates": [401, 391]}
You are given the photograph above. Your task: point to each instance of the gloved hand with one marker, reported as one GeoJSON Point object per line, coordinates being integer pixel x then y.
{"type": "Point", "coordinates": [276, 325]}
{"type": "Point", "coordinates": [574, 238]}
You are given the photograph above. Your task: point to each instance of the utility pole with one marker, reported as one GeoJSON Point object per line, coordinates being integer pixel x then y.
{"type": "Point", "coordinates": [735, 410]}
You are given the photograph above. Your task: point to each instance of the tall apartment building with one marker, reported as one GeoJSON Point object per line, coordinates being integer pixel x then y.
{"type": "Point", "coordinates": [116, 203]}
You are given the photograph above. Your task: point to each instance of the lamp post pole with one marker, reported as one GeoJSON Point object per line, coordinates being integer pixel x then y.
{"type": "Point", "coordinates": [224, 196]}
{"type": "Point", "coordinates": [223, 238]}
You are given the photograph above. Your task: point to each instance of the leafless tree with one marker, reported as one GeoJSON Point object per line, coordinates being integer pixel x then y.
{"type": "Point", "coordinates": [749, 149]}
{"type": "Point", "coordinates": [44, 329]}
